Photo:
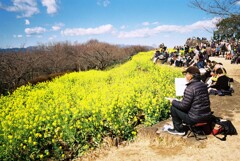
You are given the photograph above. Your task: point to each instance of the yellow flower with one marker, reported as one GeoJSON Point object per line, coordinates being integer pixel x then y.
{"type": "Point", "coordinates": [41, 156]}
{"type": "Point", "coordinates": [54, 123]}
{"type": "Point", "coordinates": [30, 139]}
{"type": "Point", "coordinates": [134, 133]}
{"type": "Point", "coordinates": [10, 137]}
{"type": "Point", "coordinates": [46, 152]}
{"type": "Point", "coordinates": [32, 156]}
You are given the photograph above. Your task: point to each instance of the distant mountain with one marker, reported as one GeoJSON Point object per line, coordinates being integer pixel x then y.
{"type": "Point", "coordinates": [124, 45]}
{"type": "Point", "coordinates": [9, 50]}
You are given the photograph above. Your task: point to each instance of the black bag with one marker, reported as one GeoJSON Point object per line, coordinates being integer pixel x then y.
{"type": "Point", "coordinates": [225, 127]}
{"type": "Point", "coordinates": [224, 48]}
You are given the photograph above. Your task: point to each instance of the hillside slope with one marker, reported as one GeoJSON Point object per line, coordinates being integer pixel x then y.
{"type": "Point", "coordinates": [149, 146]}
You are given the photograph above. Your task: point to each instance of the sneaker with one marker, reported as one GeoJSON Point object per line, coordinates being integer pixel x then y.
{"type": "Point", "coordinates": [175, 132]}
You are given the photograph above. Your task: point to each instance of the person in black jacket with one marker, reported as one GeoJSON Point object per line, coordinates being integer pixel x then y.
{"type": "Point", "coordinates": [195, 105]}
{"type": "Point", "coordinates": [156, 56]}
{"type": "Point", "coordinates": [222, 83]}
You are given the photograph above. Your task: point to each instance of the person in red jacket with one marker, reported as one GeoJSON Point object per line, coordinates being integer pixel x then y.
{"type": "Point", "coordinates": [195, 105]}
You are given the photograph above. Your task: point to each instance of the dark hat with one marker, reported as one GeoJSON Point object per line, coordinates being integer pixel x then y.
{"type": "Point", "coordinates": [192, 70]}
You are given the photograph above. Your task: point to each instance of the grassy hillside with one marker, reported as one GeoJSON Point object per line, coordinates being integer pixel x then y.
{"type": "Point", "coordinates": [64, 118]}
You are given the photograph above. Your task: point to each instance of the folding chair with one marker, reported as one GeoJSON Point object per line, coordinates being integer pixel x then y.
{"type": "Point", "coordinates": [198, 131]}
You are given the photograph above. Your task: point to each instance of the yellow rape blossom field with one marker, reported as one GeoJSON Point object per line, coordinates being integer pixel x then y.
{"type": "Point", "coordinates": [64, 118]}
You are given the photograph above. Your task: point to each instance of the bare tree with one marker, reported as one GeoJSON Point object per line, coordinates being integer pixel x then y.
{"type": "Point", "coordinates": [223, 8]}
{"type": "Point", "coordinates": [45, 62]}
{"type": "Point", "coordinates": [14, 68]}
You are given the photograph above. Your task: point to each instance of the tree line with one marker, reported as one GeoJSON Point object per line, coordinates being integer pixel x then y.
{"type": "Point", "coordinates": [46, 62]}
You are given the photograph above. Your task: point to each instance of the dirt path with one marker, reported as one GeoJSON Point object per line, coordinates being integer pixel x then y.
{"type": "Point", "coordinates": [150, 146]}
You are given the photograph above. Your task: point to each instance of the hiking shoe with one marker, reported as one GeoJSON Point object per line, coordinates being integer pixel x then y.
{"type": "Point", "coordinates": [175, 132]}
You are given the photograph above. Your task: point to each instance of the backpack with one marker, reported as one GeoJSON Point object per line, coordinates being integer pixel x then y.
{"type": "Point", "coordinates": [224, 127]}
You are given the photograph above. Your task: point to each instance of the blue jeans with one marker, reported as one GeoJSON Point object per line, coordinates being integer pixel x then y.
{"type": "Point", "coordinates": [179, 117]}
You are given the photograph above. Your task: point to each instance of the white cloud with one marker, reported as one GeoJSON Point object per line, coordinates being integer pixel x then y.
{"type": "Point", "coordinates": [52, 37]}
{"type": "Point", "coordinates": [202, 24]}
{"type": "Point", "coordinates": [105, 3]}
{"type": "Point", "coordinates": [27, 22]}
{"type": "Point", "coordinates": [169, 28]}
{"type": "Point", "coordinates": [166, 36]}
{"type": "Point", "coordinates": [148, 23]}
{"type": "Point", "coordinates": [39, 36]}
{"type": "Point", "coordinates": [123, 27]}
{"type": "Point", "coordinates": [139, 33]}
{"type": "Point", "coordinates": [155, 23]}
{"type": "Point", "coordinates": [35, 30]}
{"type": "Point", "coordinates": [27, 8]}
{"type": "Point", "coordinates": [238, 2]}
{"type": "Point", "coordinates": [146, 32]}
{"type": "Point", "coordinates": [88, 31]}
{"type": "Point", "coordinates": [145, 23]}
{"type": "Point", "coordinates": [57, 27]}
{"type": "Point", "coordinates": [51, 6]}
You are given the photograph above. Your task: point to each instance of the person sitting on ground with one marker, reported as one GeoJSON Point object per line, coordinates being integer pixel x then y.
{"type": "Point", "coordinates": [173, 58]}
{"type": "Point", "coordinates": [166, 56]}
{"type": "Point", "coordinates": [200, 62]}
{"type": "Point", "coordinates": [208, 68]}
{"type": "Point", "coordinates": [214, 77]}
{"type": "Point", "coordinates": [195, 58]}
{"type": "Point", "coordinates": [236, 59]}
{"type": "Point", "coordinates": [179, 61]}
{"type": "Point", "coordinates": [195, 105]}
{"type": "Point", "coordinates": [156, 56]}
{"type": "Point", "coordinates": [188, 59]}
{"type": "Point", "coordinates": [222, 83]}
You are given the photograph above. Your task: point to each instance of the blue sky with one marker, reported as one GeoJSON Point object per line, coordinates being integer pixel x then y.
{"type": "Point", "coordinates": [131, 22]}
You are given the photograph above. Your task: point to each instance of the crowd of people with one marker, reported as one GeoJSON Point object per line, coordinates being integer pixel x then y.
{"type": "Point", "coordinates": [211, 72]}
{"type": "Point", "coordinates": [204, 77]}
{"type": "Point", "coordinates": [187, 56]}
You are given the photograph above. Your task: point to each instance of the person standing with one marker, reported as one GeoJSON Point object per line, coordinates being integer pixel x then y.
{"type": "Point", "coordinates": [208, 52]}
{"type": "Point", "coordinates": [195, 105]}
